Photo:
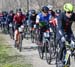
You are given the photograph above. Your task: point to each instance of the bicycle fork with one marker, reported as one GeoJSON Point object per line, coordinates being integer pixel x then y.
{"type": "Point", "coordinates": [67, 57]}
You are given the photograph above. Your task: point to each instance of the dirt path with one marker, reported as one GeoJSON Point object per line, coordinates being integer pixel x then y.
{"type": "Point", "coordinates": [29, 50]}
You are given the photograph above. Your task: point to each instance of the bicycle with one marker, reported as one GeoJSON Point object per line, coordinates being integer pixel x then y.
{"type": "Point", "coordinates": [50, 47]}
{"type": "Point", "coordinates": [40, 47]}
{"type": "Point", "coordinates": [26, 30]}
{"type": "Point", "coordinates": [18, 42]}
{"type": "Point", "coordinates": [66, 56]}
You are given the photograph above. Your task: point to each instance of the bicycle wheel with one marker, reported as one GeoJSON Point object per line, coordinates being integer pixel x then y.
{"type": "Point", "coordinates": [20, 42]}
{"type": "Point", "coordinates": [26, 32]}
{"type": "Point", "coordinates": [68, 62]}
{"type": "Point", "coordinates": [32, 36]}
{"type": "Point", "coordinates": [57, 59]}
{"type": "Point", "coordinates": [11, 33]}
{"type": "Point", "coordinates": [41, 52]}
{"type": "Point", "coordinates": [48, 52]}
{"type": "Point", "coordinates": [37, 35]}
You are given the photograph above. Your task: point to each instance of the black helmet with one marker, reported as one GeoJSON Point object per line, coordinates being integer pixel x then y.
{"type": "Point", "coordinates": [4, 13]}
{"type": "Point", "coordinates": [45, 9]}
{"type": "Point", "coordinates": [11, 11]}
{"type": "Point", "coordinates": [33, 12]}
{"type": "Point", "coordinates": [18, 10]}
{"type": "Point", "coordinates": [58, 11]}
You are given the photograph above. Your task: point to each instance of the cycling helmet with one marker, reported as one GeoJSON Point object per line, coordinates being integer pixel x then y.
{"type": "Point", "coordinates": [58, 11]}
{"type": "Point", "coordinates": [18, 10]}
{"type": "Point", "coordinates": [50, 7]}
{"type": "Point", "coordinates": [45, 9]}
{"type": "Point", "coordinates": [11, 11]}
{"type": "Point", "coordinates": [4, 13]}
{"type": "Point", "coordinates": [68, 7]}
{"type": "Point", "coordinates": [33, 12]}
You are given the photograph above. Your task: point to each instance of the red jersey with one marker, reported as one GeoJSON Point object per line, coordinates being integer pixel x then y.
{"type": "Point", "coordinates": [19, 19]}
{"type": "Point", "coordinates": [53, 22]}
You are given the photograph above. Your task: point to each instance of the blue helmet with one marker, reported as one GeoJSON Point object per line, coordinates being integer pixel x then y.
{"type": "Point", "coordinates": [45, 9]}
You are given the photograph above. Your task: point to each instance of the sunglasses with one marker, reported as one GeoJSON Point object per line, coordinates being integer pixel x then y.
{"type": "Point", "coordinates": [46, 12]}
{"type": "Point", "coordinates": [69, 12]}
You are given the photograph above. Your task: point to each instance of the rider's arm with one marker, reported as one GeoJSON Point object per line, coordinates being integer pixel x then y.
{"type": "Point", "coordinates": [24, 18]}
{"type": "Point", "coordinates": [7, 19]}
{"type": "Point", "coordinates": [59, 25]}
{"type": "Point", "coordinates": [37, 19]}
{"type": "Point", "coordinates": [54, 22]}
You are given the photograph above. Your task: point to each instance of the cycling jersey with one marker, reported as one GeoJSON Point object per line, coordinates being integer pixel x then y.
{"type": "Point", "coordinates": [33, 18]}
{"type": "Point", "coordinates": [10, 18]}
{"type": "Point", "coordinates": [41, 18]}
{"type": "Point", "coordinates": [19, 19]}
{"type": "Point", "coordinates": [43, 21]}
{"type": "Point", "coordinates": [53, 21]}
{"type": "Point", "coordinates": [65, 23]}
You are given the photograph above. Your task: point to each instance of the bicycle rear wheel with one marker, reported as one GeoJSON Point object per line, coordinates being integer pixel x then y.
{"type": "Point", "coordinates": [41, 52]}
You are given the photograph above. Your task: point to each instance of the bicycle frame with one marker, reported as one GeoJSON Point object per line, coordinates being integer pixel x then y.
{"type": "Point", "coordinates": [67, 56]}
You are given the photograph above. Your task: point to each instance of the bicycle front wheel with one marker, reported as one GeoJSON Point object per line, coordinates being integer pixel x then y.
{"type": "Point", "coordinates": [20, 42]}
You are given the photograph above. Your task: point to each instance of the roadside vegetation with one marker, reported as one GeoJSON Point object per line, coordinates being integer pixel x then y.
{"type": "Point", "coordinates": [9, 56]}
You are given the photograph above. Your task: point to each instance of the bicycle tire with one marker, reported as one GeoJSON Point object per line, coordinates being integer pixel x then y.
{"type": "Point", "coordinates": [20, 42]}
{"type": "Point", "coordinates": [40, 50]}
{"type": "Point", "coordinates": [47, 51]}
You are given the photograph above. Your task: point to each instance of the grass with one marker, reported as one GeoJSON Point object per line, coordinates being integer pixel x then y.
{"type": "Point", "coordinates": [10, 58]}
{"type": "Point", "coordinates": [16, 65]}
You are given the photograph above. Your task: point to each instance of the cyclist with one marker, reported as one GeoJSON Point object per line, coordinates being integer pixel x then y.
{"type": "Point", "coordinates": [43, 19]}
{"type": "Point", "coordinates": [57, 12]}
{"type": "Point", "coordinates": [4, 18]}
{"type": "Point", "coordinates": [19, 18]}
{"type": "Point", "coordinates": [65, 21]}
{"type": "Point", "coordinates": [1, 15]}
{"type": "Point", "coordinates": [33, 18]}
{"type": "Point", "coordinates": [28, 17]}
{"type": "Point", "coordinates": [50, 8]}
{"type": "Point", "coordinates": [10, 17]}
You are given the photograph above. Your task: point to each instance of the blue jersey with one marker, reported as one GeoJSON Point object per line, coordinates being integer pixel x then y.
{"type": "Point", "coordinates": [43, 18]}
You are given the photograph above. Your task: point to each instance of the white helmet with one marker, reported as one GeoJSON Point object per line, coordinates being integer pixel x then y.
{"type": "Point", "coordinates": [50, 7]}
